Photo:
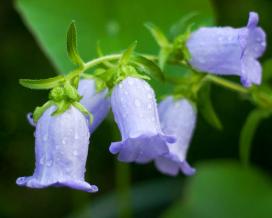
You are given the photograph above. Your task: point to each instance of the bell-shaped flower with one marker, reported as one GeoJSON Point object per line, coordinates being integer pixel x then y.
{"type": "Point", "coordinates": [178, 118]}
{"type": "Point", "coordinates": [61, 148]}
{"type": "Point", "coordinates": [135, 112]}
{"type": "Point", "coordinates": [97, 103]}
{"type": "Point", "coordinates": [229, 51]}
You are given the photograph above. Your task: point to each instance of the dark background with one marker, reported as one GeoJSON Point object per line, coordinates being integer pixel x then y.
{"type": "Point", "coordinates": [21, 57]}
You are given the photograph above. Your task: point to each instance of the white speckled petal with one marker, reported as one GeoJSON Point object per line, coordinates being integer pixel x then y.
{"type": "Point", "coordinates": [178, 118]}
{"type": "Point", "coordinates": [135, 112]}
{"type": "Point", "coordinates": [97, 103]}
{"type": "Point", "coordinates": [61, 148]}
{"type": "Point", "coordinates": [226, 50]}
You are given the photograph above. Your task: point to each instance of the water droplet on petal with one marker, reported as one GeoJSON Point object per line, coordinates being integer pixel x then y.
{"type": "Point", "coordinates": [149, 106]}
{"type": "Point", "coordinates": [149, 96]}
{"type": "Point", "coordinates": [126, 92]}
{"type": "Point", "coordinates": [42, 160]}
{"type": "Point", "coordinates": [75, 153]}
{"type": "Point", "coordinates": [63, 141]}
{"type": "Point", "coordinates": [45, 137]}
{"type": "Point", "coordinates": [49, 163]}
{"type": "Point", "coordinates": [76, 136]}
{"type": "Point", "coordinates": [130, 82]}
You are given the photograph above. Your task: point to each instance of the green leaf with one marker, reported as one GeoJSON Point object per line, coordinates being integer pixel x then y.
{"type": "Point", "coordinates": [42, 83]}
{"type": "Point", "coordinates": [225, 189]}
{"type": "Point", "coordinates": [158, 35]}
{"type": "Point", "coordinates": [267, 70]}
{"type": "Point", "coordinates": [145, 196]}
{"type": "Point", "coordinates": [163, 56]}
{"type": "Point", "coordinates": [38, 112]}
{"type": "Point", "coordinates": [181, 25]}
{"type": "Point", "coordinates": [127, 54]}
{"type": "Point", "coordinates": [83, 110]}
{"type": "Point", "coordinates": [206, 108]}
{"type": "Point", "coordinates": [47, 20]}
{"type": "Point", "coordinates": [72, 45]}
{"type": "Point", "coordinates": [148, 67]}
{"type": "Point", "coordinates": [62, 106]}
{"type": "Point", "coordinates": [248, 131]}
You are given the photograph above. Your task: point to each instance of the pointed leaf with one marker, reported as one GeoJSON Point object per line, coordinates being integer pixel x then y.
{"type": "Point", "coordinates": [127, 53]}
{"type": "Point", "coordinates": [181, 25]}
{"type": "Point", "coordinates": [38, 112]}
{"type": "Point", "coordinates": [206, 108]}
{"type": "Point", "coordinates": [72, 45]}
{"type": "Point", "coordinates": [148, 67]}
{"type": "Point", "coordinates": [42, 83]}
{"type": "Point", "coordinates": [158, 35]}
{"type": "Point", "coordinates": [163, 57]}
{"type": "Point", "coordinates": [252, 122]}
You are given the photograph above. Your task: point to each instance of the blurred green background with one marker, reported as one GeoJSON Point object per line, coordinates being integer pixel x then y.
{"type": "Point", "coordinates": [32, 45]}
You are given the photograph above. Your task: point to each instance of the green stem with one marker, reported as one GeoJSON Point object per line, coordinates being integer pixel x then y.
{"type": "Point", "coordinates": [227, 84]}
{"type": "Point", "coordinates": [123, 189]}
{"type": "Point", "coordinates": [100, 60]}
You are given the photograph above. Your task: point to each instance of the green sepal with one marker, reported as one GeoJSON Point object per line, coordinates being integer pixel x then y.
{"type": "Point", "coordinates": [147, 67]}
{"type": "Point", "coordinates": [127, 54]}
{"type": "Point", "coordinates": [71, 92]}
{"type": "Point", "coordinates": [248, 131]}
{"type": "Point", "coordinates": [38, 112]}
{"type": "Point", "coordinates": [206, 108]}
{"type": "Point", "coordinates": [163, 56]}
{"type": "Point", "coordinates": [56, 94]}
{"type": "Point", "coordinates": [157, 34]}
{"type": "Point", "coordinates": [72, 45]}
{"type": "Point", "coordinates": [180, 50]}
{"type": "Point", "coordinates": [62, 106]}
{"type": "Point", "coordinates": [42, 83]}
{"type": "Point", "coordinates": [83, 110]}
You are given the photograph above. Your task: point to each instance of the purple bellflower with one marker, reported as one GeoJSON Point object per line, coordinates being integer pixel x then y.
{"type": "Point", "coordinates": [61, 148]}
{"type": "Point", "coordinates": [135, 112]}
{"type": "Point", "coordinates": [229, 51]}
{"type": "Point", "coordinates": [97, 103]}
{"type": "Point", "coordinates": [178, 118]}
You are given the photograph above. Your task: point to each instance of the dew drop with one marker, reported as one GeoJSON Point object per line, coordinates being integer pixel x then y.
{"type": "Point", "coordinates": [149, 96]}
{"type": "Point", "coordinates": [137, 103]}
{"type": "Point", "coordinates": [42, 160]}
{"type": "Point", "coordinates": [126, 92]}
{"type": "Point", "coordinates": [45, 137]}
{"type": "Point", "coordinates": [76, 136]}
{"type": "Point", "coordinates": [263, 44]}
{"type": "Point", "coordinates": [121, 86]}
{"type": "Point", "coordinates": [149, 106]}
{"type": "Point", "coordinates": [75, 153]}
{"type": "Point", "coordinates": [141, 115]}
{"type": "Point", "coordinates": [49, 163]}
{"type": "Point", "coordinates": [63, 141]}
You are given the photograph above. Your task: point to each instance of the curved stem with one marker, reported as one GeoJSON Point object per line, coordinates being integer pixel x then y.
{"type": "Point", "coordinates": [227, 84]}
{"type": "Point", "coordinates": [100, 60]}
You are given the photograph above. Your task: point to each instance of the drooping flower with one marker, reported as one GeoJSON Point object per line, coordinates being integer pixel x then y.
{"type": "Point", "coordinates": [97, 103]}
{"type": "Point", "coordinates": [135, 112]}
{"type": "Point", "coordinates": [178, 118]}
{"type": "Point", "coordinates": [229, 51]}
{"type": "Point", "coordinates": [61, 147]}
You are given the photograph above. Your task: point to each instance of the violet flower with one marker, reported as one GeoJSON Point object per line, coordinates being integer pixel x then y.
{"type": "Point", "coordinates": [61, 151]}
{"type": "Point", "coordinates": [178, 118]}
{"type": "Point", "coordinates": [135, 112]}
{"type": "Point", "coordinates": [229, 51]}
{"type": "Point", "coordinates": [97, 103]}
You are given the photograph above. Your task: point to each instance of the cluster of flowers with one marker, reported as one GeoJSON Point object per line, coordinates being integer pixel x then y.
{"type": "Point", "coordinates": [150, 132]}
